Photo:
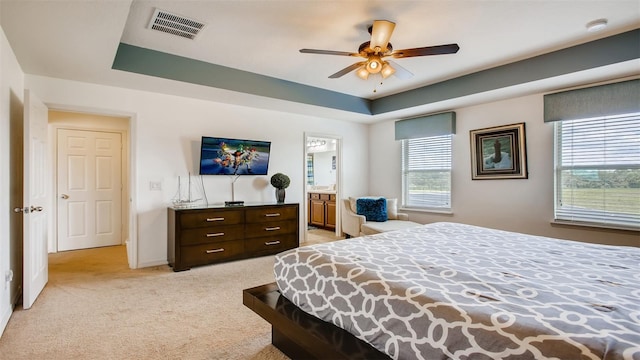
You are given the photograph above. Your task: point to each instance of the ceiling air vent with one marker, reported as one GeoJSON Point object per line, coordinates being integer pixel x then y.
{"type": "Point", "coordinates": [175, 24]}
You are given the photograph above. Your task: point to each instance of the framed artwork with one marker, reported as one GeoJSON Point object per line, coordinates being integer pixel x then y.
{"type": "Point", "coordinates": [499, 153]}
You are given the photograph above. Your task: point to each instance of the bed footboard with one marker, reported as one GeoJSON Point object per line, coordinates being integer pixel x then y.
{"type": "Point", "coordinates": [303, 336]}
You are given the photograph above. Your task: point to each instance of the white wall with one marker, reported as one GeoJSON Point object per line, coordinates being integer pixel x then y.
{"type": "Point", "coordinates": [165, 140]}
{"type": "Point", "coordinates": [524, 205]}
{"type": "Point", "coordinates": [11, 95]}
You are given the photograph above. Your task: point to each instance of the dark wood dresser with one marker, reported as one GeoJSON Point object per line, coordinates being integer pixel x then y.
{"type": "Point", "coordinates": [208, 235]}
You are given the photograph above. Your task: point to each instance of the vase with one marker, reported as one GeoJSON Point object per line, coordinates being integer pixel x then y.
{"type": "Point", "coordinates": [280, 195]}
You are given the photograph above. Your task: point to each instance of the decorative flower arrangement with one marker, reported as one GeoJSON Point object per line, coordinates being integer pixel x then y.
{"type": "Point", "coordinates": [280, 181]}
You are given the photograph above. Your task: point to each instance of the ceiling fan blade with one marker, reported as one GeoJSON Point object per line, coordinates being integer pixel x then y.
{"type": "Point", "coordinates": [401, 73]}
{"type": "Point", "coordinates": [347, 70]}
{"type": "Point", "coordinates": [381, 34]}
{"type": "Point", "coordinates": [425, 51]}
{"type": "Point", "coordinates": [328, 52]}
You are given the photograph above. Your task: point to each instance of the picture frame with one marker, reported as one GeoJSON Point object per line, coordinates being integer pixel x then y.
{"type": "Point", "coordinates": [499, 152]}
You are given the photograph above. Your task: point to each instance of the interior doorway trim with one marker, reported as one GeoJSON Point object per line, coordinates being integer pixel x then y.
{"type": "Point", "coordinates": [132, 238]}
{"type": "Point", "coordinates": [339, 180]}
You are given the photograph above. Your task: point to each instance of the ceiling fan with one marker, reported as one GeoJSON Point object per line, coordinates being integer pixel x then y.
{"type": "Point", "coordinates": [377, 49]}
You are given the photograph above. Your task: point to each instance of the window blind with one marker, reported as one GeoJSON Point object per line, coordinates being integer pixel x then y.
{"type": "Point", "coordinates": [426, 172]}
{"type": "Point", "coordinates": [598, 170]}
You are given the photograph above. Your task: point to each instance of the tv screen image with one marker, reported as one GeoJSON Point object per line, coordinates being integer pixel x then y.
{"type": "Point", "coordinates": [222, 156]}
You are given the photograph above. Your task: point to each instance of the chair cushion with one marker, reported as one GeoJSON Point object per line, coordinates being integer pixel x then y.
{"type": "Point", "coordinates": [372, 209]}
{"type": "Point", "coordinates": [392, 209]}
{"type": "Point", "coordinates": [371, 228]}
{"type": "Point", "coordinates": [392, 206]}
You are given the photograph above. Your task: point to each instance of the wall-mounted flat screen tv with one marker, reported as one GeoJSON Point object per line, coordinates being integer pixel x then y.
{"type": "Point", "coordinates": [222, 156]}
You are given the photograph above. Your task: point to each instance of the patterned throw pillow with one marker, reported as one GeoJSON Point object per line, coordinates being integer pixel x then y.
{"type": "Point", "coordinates": [392, 206]}
{"type": "Point", "coordinates": [372, 209]}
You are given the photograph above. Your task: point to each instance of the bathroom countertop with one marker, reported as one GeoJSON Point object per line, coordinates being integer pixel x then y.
{"type": "Point", "coordinates": [321, 191]}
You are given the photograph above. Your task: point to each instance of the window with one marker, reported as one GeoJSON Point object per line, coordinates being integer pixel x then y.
{"type": "Point", "coordinates": [426, 172]}
{"type": "Point", "coordinates": [597, 170]}
{"type": "Point", "coordinates": [310, 179]}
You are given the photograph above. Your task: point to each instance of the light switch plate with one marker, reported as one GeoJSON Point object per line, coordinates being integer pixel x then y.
{"type": "Point", "coordinates": [155, 185]}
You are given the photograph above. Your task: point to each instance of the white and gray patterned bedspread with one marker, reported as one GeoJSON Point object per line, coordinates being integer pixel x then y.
{"type": "Point", "coordinates": [454, 291]}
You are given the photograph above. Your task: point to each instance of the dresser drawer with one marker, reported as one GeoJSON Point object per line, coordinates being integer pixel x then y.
{"type": "Point", "coordinates": [270, 228]}
{"type": "Point", "coordinates": [326, 197]}
{"type": "Point", "coordinates": [211, 218]}
{"type": "Point", "coordinates": [212, 234]}
{"type": "Point", "coordinates": [208, 253]}
{"type": "Point", "coordinates": [270, 244]}
{"type": "Point", "coordinates": [272, 214]}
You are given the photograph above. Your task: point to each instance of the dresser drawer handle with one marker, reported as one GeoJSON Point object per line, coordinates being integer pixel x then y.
{"type": "Point", "coordinates": [272, 228]}
{"type": "Point", "coordinates": [215, 251]}
{"type": "Point", "coordinates": [272, 242]}
{"type": "Point", "coordinates": [215, 219]}
{"type": "Point", "coordinates": [215, 234]}
{"type": "Point", "coordinates": [272, 215]}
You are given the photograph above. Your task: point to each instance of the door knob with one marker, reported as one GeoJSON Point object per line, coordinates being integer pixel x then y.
{"type": "Point", "coordinates": [64, 196]}
{"type": "Point", "coordinates": [19, 210]}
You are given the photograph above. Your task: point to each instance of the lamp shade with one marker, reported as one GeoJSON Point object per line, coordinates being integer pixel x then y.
{"type": "Point", "coordinates": [374, 65]}
{"type": "Point", "coordinates": [362, 73]}
{"type": "Point", "coordinates": [387, 70]}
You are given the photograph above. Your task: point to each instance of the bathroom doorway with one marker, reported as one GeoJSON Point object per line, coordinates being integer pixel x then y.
{"type": "Point", "coordinates": [322, 187]}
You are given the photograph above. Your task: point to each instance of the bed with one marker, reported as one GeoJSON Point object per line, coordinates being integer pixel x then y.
{"type": "Point", "coordinates": [454, 291]}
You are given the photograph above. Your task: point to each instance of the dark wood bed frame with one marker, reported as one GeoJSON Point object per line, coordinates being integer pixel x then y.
{"type": "Point", "coordinates": [303, 336]}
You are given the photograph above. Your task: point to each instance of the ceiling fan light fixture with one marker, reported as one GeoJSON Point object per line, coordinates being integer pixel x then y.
{"type": "Point", "coordinates": [387, 70]}
{"type": "Point", "coordinates": [374, 65]}
{"type": "Point", "coordinates": [362, 73]}
{"type": "Point", "coordinates": [372, 53]}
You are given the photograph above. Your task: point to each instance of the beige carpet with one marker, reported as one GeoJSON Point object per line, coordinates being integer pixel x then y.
{"type": "Point", "coordinates": [317, 236]}
{"type": "Point", "coordinates": [95, 307]}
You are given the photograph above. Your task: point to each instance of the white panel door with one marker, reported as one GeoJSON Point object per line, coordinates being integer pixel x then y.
{"type": "Point", "coordinates": [89, 189]}
{"type": "Point", "coordinates": [35, 225]}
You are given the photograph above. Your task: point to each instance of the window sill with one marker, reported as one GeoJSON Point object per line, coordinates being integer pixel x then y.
{"type": "Point", "coordinates": [594, 225]}
{"type": "Point", "coordinates": [423, 210]}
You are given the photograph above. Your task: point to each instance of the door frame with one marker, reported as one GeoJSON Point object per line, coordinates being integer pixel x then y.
{"type": "Point", "coordinates": [339, 180]}
{"type": "Point", "coordinates": [128, 157]}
